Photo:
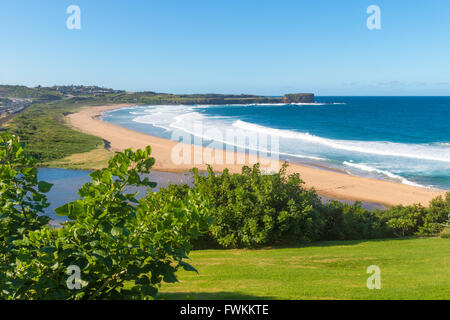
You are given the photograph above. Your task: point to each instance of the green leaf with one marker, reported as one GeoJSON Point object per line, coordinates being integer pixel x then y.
{"type": "Point", "coordinates": [144, 280]}
{"type": "Point", "coordinates": [134, 270]}
{"type": "Point", "coordinates": [100, 253]}
{"type": "Point", "coordinates": [187, 266]}
{"type": "Point", "coordinates": [44, 187]}
{"type": "Point", "coordinates": [150, 291]}
{"type": "Point", "coordinates": [71, 210]}
{"type": "Point", "coordinates": [170, 277]}
{"type": "Point", "coordinates": [107, 177]}
{"type": "Point", "coordinates": [116, 231]}
{"type": "Point", "coordinates": [48, 250]}
{"type": "Point", "coordinates": [63, 210]}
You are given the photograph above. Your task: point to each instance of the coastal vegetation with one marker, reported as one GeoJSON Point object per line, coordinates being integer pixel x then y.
{"type": "Point", "coordinates": [47, 136]}
{"type": "Point", "coordinates": [111, 238]}
{"type": "Point", "coordinates": [125, 248]}
{"type": "Point", "coordinates": [254, 210]}
{"type": "Point", "coordinates": [37, 94]}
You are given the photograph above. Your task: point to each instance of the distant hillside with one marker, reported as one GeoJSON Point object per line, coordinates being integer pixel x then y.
{"type": "Point", "coordinates": [163, 98]}
{"type": "Point", "coordinates": [104, 95]}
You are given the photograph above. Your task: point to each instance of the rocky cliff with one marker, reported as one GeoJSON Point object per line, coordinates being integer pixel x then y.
{"type": "Point", "coordinates": [298, 98]}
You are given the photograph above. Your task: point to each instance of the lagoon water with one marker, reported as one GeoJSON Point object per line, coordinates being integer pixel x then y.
{"type": "Point", "coordinates": [67, 182]}
{"type": "Point", "coordinates": [65, 187]}
{"type": "Point", "coordinates": [403, 139]}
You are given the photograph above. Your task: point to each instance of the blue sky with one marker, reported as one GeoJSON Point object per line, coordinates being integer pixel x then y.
{"type": "Point", "coordinates": [230, 46]}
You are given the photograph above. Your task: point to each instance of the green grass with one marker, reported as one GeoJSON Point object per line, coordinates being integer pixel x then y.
{"type": "Point", "coordinates": [91, 160]}
{"type": "Point", "coordinates": [410, 269]}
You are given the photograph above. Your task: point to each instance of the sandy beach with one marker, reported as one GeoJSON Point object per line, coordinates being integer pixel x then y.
{"type": "Point", "coordinates": [327, 183]}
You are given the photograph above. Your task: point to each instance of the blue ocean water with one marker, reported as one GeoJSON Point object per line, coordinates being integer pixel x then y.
{"type": "Point", "coordinates": [404, 139]}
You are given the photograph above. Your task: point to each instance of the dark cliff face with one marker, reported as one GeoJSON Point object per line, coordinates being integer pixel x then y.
{"type": "Point", "coordinates": [298, 98]}
{"type": "Point", "coordinates": [218, 99]}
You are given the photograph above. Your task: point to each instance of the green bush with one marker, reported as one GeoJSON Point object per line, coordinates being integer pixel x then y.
{"type": "Point", "coordinates": [350, 222]}
{"type": "Point", "coordinates": [251, 209]}
{"type": "Point", "coordinates": [124, 248]}
{"type": "Point", "coordinates": [445, 233]}
{"type": "Point", "coordinates": [439, 210]}
{"type": "Point", "coordinates": [404, 221]}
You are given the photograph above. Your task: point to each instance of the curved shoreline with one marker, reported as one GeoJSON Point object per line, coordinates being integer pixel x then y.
{"type": "Point", "coordinates": [327, 183]}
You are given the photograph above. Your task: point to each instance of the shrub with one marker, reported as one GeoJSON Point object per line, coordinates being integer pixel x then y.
{"type": "Point", "coordinates": [445, 233]}
{"type": "Point", "coordinates": [124, 248]}
{"type": "Point", "coordinates": [404, 220]}
{"type": "Point", "coordinates": [439, 210]}
{"type": "Point", "coordinates": [350, 222]}
{"type": "Point", "coordinates": [252, 209]}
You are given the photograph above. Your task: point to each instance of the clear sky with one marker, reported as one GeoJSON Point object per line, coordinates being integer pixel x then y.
{"type": "Point", "coordinates": [230, 46]}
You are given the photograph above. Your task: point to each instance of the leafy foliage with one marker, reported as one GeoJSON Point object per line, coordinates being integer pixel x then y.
{"type": "Point", "coordinates": [22, 198]}
{"type": "Point", "coordinates": [252, 210]}
{"type": "Point", "coordinates": [47, 136]}
{"type": "Point", "coordinates": [112, 238]}
{"type": "Point", "coordinates": [350, 222]}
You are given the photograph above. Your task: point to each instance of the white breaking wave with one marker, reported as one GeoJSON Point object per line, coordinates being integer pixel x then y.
{"type": "Point", "coordinates": [382, 148]}
{"type": "Point", "coordinates": [185, 119]}
{"type": "Point", "coordinates": [161, 116]}
{"type": "Point", "coordinates": [316, 103]}
{"type": "Point", "coordinates": [364, 167]}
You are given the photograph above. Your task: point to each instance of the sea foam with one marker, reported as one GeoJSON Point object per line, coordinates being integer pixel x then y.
{"type": "Point", "coordinates": [382, 148]}
{"type": "Point", "coordinates": [367, 168]}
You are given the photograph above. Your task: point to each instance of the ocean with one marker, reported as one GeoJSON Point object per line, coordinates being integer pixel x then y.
{"type": "Point", "coordinates": [402, 139]}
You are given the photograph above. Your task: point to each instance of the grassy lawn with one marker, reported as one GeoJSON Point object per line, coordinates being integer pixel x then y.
{"type": "Point", "coordinates": [410, 269]}
{"type": "Point", "coordinates": [48, 137]}
{"type": "Point", "coordinates": [91, 160]}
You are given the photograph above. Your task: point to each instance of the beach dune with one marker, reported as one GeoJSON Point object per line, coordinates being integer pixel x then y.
{"type": "Point", "coordinates": [326, 182]}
